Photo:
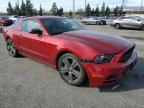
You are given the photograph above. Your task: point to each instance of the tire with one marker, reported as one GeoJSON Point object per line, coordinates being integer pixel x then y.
{"type": "Point", "coordinates": [103, 22]}
{"type": "Point", "coordinates": [71, 70]}
{"type": "Point", "coordinates": [142, 28]}
{"type": "Point", "coordinates": [117, 26]}
{"type": "Point", "coordinates": [98, 23]}
{"type": "Point", "coordinates": [11, 48]}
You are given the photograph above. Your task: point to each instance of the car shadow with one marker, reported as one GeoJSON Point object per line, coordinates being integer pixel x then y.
{"type": "Point", "coordinates": [132, 81]}
{"type": "Point", "coordinates": [1, 28]}
{"type": "Point", "coordinates": [130, 29]}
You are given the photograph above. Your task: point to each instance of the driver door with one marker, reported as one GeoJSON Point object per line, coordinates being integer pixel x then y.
{"type": "Point", "coordinates": [32, 45]}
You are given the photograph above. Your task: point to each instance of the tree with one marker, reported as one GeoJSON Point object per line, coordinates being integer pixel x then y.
{"type": "Point", "coordinates": [29, 8]}
{"type": "Point", "coordinates": [97, 12]}
{"type": "Point", "coordinates": [35, 12]}
{"type": "Point", "coordinates": [103, 9]}
{"type": "Point", "coordinates": [40, 10]}
{"type": "Point", "coordinates": [70, 13]}
{"type": "Point", "coordinates": [93, 12]}
{"type": "Point", "coordinates": [88, 10]}
{"type": "Point", "coordinates": [80, 12]}
{"type": "Point", "coordinates": [60, 11]}
{"type": "Point", "coordinates": [54, 9]}
{"type": "Point", "coordinates": [116, 11]}
{"type": "Point", "coordinates": [17, 10]}
{"type": "Point", "coordinates": [10, 10]}
{"type": "Point", "coordinates": [23, 8]}
{"type": "Point", "coordinates": [107, 12]}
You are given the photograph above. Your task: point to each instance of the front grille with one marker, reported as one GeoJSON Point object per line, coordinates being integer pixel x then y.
{"type": "Point", "coordinates": [127, 55]}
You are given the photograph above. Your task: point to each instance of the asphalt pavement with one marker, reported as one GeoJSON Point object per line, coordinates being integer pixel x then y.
{"type": "Point", "coordinates": [25, 83]}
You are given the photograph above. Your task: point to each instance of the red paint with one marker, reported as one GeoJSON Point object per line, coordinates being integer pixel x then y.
{"type": "Point", "coordinates": [84, 44]}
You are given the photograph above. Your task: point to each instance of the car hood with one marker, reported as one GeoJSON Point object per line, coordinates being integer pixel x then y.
{"type": "Point", "coordinates": [98, 41]}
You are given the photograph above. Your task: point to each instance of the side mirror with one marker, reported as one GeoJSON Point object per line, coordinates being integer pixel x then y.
{"type": "Point", "coordinates": [36, 31]}
{"type": "Point", "coordinates": [138, 20]}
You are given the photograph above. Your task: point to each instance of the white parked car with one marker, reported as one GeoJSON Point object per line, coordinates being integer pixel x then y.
{"type": "Point", "coordinates": [14, 18]}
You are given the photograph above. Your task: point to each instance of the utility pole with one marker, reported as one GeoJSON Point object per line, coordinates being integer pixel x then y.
{"type": "Point", "coordinates": [141, 6]}
{"type": "Point", "coordinates": [123, 1]}
{"type": "Point", "coordinates": [18, 2]}
{"type": "Point", "coordinates": [85, 6]}
{"type": "Point", "coordinates": [74, 8]}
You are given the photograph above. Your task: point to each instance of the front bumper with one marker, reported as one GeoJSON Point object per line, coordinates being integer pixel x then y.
{"type": "Point", "coordinates": [112, 24]}
{"type": "Point", "coordinates": [108, 73]}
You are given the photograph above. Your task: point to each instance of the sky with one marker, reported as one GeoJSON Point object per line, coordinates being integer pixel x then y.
{"type": "Point", "coordinates": [68, 4]}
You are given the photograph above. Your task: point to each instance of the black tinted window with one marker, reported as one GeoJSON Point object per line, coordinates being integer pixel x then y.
{"type": "Point", "coordinates": [4, 18]}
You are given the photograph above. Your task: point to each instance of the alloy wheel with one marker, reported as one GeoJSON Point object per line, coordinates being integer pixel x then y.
{"type": "Point", "coordinates": [117, 26]}
{"type": "Point", "coordinates": [142, 28]}
{"type": "Point", "coordinates": [11, 48]}
{"type": "Point", "coordinates": [71, 70]}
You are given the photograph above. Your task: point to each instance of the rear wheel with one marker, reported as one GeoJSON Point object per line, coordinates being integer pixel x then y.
{"type": "Point", "coordinates": [117, 26]}
{"type": "Point", "coordinates": [11, 48]}
{"type": "Point", "coordinates": [71, 70]}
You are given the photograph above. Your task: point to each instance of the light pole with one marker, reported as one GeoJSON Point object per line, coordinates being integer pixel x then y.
{"type": "Point", "coordinates": [85, 6]}
{"type": "Point", "coordinates": [73, 7]}
{"type": "Point", "coordinates": [141, 6]}
{"type": "Point", "coordinates": [123, 1]}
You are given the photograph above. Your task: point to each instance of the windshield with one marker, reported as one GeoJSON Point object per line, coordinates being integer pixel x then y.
{"type": "Point", "coordinates": [142, 17]}
{"type": "Point", "coordinates": [59, 25]}
{"type": "Point", "coordinates": [16, 17]}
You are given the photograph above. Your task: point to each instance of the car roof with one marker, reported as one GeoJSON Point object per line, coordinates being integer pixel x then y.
{"type": "Point", "coordinates": [43, 17]}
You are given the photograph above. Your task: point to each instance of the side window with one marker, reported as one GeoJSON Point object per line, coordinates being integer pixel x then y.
{"type": "Point", "coordinates": [131, 18]}
{"type": "Point", "coordinates": [25, 26]}
{"type": "Point", "coordinates": [15, 25]}
{"type": "Point", "coordinates": [28, 25]}
{"type": "Point", "coordinates": [135, 18]}
{"type": "Point", "coordinates": [122, 18]}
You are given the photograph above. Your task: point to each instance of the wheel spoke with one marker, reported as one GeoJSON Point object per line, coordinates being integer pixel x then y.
{"type": "Point", "coordinates": [13, 50]}
{"type": "Point", "coordinates": [76, 73]}
{"type": "Point", "coordinates": [74, 64]}
{"type": "Point", "coordinates": [63, 70]}
{"type": "Point", "coordinates": [66, 62]}
{"type": "Point", "coordinates": [70, 77]}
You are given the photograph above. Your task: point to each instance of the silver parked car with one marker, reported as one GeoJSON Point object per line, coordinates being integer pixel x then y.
{"type": "Point", "coordinates": [135, 22]}
{"type": "Point", "coordinates": [92, 20]}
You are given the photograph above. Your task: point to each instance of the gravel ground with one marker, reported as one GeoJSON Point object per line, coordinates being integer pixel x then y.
{"type": "Point", "coordinates": [25, 83]}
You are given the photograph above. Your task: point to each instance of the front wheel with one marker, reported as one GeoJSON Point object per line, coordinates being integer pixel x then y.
{"type": "Point", "coordinates": [11, 48]}
{"type": "Point", "coordinates": [117, 26]}
{"type": "Point", "coordinates": [142, 28]}
{"type": "Point", "coordinates": [71, 70]}
{"type": "Point", "coordinates": [98, 23]}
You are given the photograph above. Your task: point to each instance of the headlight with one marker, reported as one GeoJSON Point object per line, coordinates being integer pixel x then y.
{"type": "Point", "coordinates": [103, 58]}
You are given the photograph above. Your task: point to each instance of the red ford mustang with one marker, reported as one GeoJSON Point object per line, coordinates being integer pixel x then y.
{"type": "Point", "coordinates": [77, 54]}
